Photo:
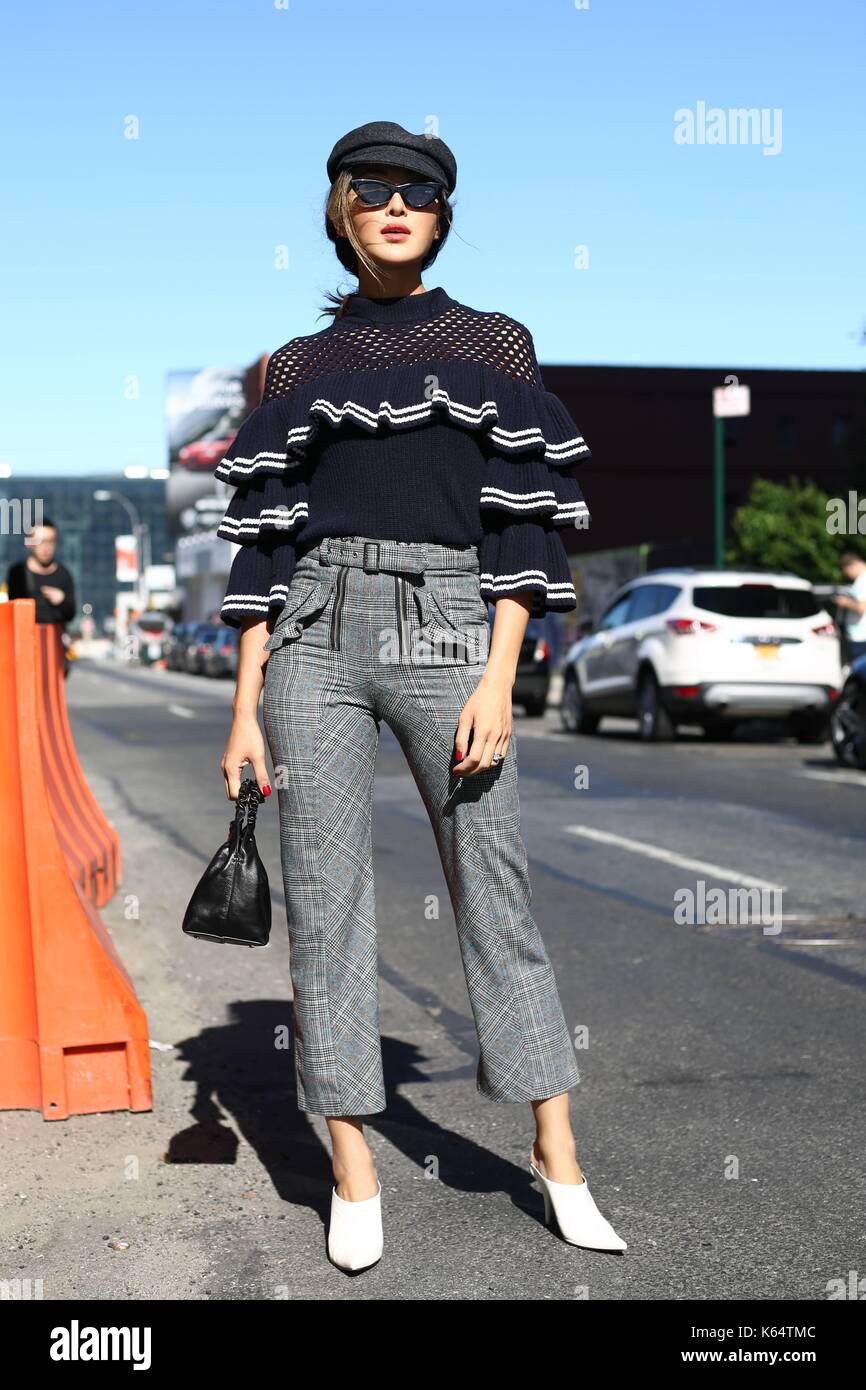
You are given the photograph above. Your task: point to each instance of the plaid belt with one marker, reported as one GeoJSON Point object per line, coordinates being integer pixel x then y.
{"type": "Point", "coordinates": [400, 557]}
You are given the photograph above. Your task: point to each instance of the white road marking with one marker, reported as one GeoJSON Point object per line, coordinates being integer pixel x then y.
{"type": "Point", "coordinates": [821, 941]}
{"type": "Point", "coordinates": [852, 779]}
{"type": "Point", "coordinates": [181, 711]}
{"type": "Point", "coordinates": [667, 856]}
{"type": "Point", "coordinates": [820, 919]}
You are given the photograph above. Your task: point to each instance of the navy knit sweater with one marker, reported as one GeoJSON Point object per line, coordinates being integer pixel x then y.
{"type": "Point", "coordinates": [413, 418]}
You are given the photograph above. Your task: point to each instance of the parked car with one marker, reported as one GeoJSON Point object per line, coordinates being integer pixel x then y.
{"type": "Point", "coordinates": [199, 644]}
{"type": "Point", "coordinates": [707, 647]}
{"type": "Point", "coordinates": [532, 679]}
{"type": "Point", "coordinates": [221, 657]}
{"type": "Point", "coordinates": [150, 634]}
{"type": "Point", "coordinates": [848, 719]}
{"type": "Point", "coordinates": [175, 653]}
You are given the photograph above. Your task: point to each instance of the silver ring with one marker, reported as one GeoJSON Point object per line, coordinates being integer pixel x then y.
{"type": "Point", "coordinates": [497, 758]}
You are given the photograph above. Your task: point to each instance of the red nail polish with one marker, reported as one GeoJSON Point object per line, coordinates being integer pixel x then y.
{"type": "Point", "coordinates": [459, 756]}
{"type": "Point", "coordinates": [266, 791]}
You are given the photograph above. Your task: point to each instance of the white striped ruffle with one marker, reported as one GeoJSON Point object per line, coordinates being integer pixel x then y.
{"type": "Point", "coordinates": [519, 420]}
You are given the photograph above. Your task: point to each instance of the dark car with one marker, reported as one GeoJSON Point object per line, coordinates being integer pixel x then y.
{"type": "Point", "coordinates": [848, 719]}
{"type": "Point", "coordinates": [199, 645]}
{"type": "Point", "coordinates": [532, 681]}
{"type": "Point", "coordinates": [222, 657]}
{"type": "Point", "coordinates": [175, 656]}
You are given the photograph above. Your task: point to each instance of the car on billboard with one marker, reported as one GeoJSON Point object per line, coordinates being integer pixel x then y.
{"type": "Point", "coordinates": [204, 454]}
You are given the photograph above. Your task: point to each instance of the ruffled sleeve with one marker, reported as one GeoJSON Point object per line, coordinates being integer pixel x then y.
{"type": "Point", "coordinates": [528, 499]}
{"type": "Point", "coordinates": [264, 516]}
{"type": "Point", "coordinates": [259, 579]}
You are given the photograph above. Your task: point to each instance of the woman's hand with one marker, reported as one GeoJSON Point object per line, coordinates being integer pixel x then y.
{"type": "Point", "coordinates": [487, 712]}
{"type": "Point", "coordinates": [487, 715]}
{"type": "Point", "coordinates": [245, 745]}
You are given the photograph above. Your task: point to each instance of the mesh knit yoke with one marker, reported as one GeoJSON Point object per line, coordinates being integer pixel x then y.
{"type": "Point", "coordinates": [413, 418]}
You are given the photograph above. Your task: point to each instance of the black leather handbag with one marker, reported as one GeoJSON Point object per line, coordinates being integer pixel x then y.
{"type": "Point", "coordinates": [232, 900]}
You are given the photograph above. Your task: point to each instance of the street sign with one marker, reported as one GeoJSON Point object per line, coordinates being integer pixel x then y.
{"type": "Point", "coordinates": [730, 400]}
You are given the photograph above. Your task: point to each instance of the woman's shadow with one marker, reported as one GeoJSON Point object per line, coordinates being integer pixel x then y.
{"type": "Point", "coordinates": [245, 1081]}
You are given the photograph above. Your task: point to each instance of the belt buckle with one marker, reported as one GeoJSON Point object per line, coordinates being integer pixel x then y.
{"type": "Point", "coordinates": [371, 566]}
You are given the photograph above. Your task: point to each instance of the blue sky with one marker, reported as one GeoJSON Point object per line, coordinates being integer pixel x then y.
{"type": "Point", "coordinates": [125, 258]}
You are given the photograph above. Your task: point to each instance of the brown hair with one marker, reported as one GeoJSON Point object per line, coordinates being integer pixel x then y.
{"type": "Point", "coordinates": [349, 250]}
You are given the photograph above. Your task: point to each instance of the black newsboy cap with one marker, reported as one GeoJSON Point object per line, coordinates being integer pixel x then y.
{"type": "Point", "coordinates": [385, 142]}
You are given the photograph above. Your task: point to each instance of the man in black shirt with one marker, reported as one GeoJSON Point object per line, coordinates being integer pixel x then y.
{"type": "Point", "coordinates": [44, 579]}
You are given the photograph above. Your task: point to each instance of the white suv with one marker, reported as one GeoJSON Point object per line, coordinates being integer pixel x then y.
{"type": "Point", "coordinates": [708, 647]}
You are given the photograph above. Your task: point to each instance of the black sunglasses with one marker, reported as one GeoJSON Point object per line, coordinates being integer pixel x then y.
{"type": "Point", "coordinates": [374, 192]}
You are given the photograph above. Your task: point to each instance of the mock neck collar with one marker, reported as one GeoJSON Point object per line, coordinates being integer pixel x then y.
{"type": "Point", "coordinates": [403, 308]}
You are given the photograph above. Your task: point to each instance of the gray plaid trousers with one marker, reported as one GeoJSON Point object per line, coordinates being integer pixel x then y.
{"type": "Point", "coordinates": [385, 630]}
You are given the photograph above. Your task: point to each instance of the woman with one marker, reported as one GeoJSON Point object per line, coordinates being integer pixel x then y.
{"type": "Point", "coordinates": [405, 468]}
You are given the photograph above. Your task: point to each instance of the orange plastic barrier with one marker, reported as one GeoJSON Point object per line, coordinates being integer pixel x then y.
{"type": "Point", "coordinates": [73, 1035]}
{"type": "Point", "coordinates": [89, 843]}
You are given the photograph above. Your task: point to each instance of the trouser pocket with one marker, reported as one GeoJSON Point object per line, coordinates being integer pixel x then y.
{"type": "Point", "coordinates": [453, 625]}
{"type": "Point", "coordinates": [307, 599]}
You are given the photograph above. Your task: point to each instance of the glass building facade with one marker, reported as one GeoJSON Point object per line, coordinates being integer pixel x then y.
{"type": "Point", "coordinates": [86, 529]}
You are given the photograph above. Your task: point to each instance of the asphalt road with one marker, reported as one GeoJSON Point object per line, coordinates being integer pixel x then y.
{"type": "Point", "coordinates": [719, 1116]}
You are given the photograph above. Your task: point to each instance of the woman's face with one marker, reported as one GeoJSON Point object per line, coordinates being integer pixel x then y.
{"type": "Point", "coordinates": [372, 224]}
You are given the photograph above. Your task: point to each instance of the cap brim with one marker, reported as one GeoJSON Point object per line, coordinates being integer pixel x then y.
{"type": "Point", "coordinates": [399, 159]}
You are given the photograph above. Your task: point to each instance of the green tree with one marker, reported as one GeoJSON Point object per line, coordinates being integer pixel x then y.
{"type": "Point", "coordinates": [783, 526]}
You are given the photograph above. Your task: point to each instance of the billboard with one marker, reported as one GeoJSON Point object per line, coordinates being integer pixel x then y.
{"type": "Point", "coordinates": [126, 559]}
{"type": "Point", "coordinates": [203, 410]}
